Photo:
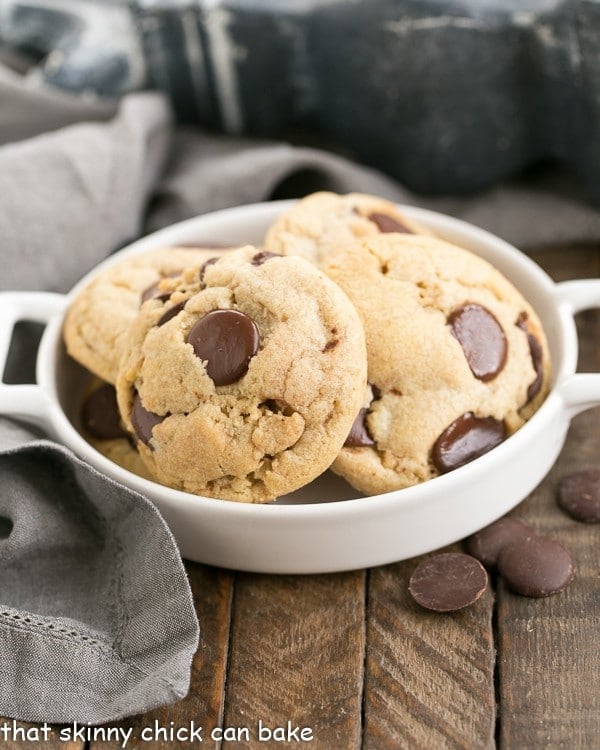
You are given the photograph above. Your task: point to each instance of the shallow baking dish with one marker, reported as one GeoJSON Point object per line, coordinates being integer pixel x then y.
{"type": "Point", "coordinates": [326, 526]}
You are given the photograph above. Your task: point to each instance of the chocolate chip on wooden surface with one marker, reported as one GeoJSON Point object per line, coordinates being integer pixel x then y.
{"type": "Point", "coordinates": [579, 495]}
{"type": "Point", "coordinates": [143, 421]}
{"type": "Point", "coordinates": [359, 433]}
{"type": "Point", "coordinates": [481, 338]}
{"type": "Point", "coordinates": [448, 581]}
{"type": "Point", "coordinates": [487, 543]}
{"type": "Point", "coordinates": [536, 566]}
{"type": "Point", "coordinates": [100, 414]}
{"type": "Point", "coordinates": [465, 439]}
{"type": "Point", "coordinates": [226, 340]}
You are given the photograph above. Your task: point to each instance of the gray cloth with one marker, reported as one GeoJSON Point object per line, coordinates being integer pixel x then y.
{"type": "Point", "coordinates": [96, 616]}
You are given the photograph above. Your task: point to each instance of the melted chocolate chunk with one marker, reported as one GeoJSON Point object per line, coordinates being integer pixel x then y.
{"type": "Point", "coordinates": [171, 313]}
{"type": "Point", "coordinates": [467, 438]}
{"type": "Point", "coordinates": [143, 421]}
{"type": "Point", "coordinates": [448, 581]}
{"type": "Point", "coordinates": [226, 340]}
{"type": "Point", "coordinates": [387, 223]}
{"type": "Point", "coordinates": [487, 544]}
{"type": "Point", "coordinates": [579, 495]}
{"type": "Point", "coordinates": [100, 414]}
{"type": "Point", "coordinates": [537, 356]}
{"type": "Point", "coordinates": [482, 339]}
{"type": "Point", "coordinates": [375, 391]}
{"type": "Point", "coordinates": [204, 266]}
{"type": "Point", "coordinates": [263, 257]}
{"type": "Point", "coordinates": [359, 433]}
{"type": "Point", "coordinates": [536, 566]}
{"type": "Point", "coordinates": [153, 291]}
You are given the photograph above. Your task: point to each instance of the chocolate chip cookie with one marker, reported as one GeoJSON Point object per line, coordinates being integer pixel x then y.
{"type": "Point", "coordinates": [98, 318]}
{"type": "Point", "coordinates": [457, 359]}
{"type": "Point", "coordinates": [324, 221]}
{"type": "Point", "coordinates": [244, 384]}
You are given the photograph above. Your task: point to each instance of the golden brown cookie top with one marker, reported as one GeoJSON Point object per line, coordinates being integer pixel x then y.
{"type": "Point", "coordinates": [243, 384]}
{"type": "Point", "coordinates": [324, 221]}
{"type": "Point", "coordinates": [457, 358]}
{"type": "Point", "coordinates": [98, 318]}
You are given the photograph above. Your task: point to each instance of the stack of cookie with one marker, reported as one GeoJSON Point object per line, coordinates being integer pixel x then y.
{"type": "Point", "coordinates": [353, 339]}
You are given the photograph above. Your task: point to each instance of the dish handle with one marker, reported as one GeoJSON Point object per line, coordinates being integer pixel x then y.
{"type": "Point", "coordinates": [581, 391]}
{"type": "Point", "coordinates": [28, 402]}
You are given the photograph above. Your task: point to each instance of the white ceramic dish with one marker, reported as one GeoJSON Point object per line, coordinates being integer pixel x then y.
{"type": "Point", "coordinates": [326, 526]}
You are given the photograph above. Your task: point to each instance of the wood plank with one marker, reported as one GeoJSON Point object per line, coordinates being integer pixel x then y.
{"type": "Point", "coordinates": [20, 735]}
{"type": "Point", "coordinates": [549, 662]}
{"type": "Point", "coordinates": [213, 592]}
{"type": "Point", "coordinates": [296, 655]}
{"type": "Point", "coordinates": [429, 679]}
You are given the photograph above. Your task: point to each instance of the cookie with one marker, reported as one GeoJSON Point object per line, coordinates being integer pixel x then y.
{"type": "Point", "coordinates": [457, 359]}
{"type": "Point", "coordinates": [99, 316]}
{"type": "Point", "coordinates": [245, 383]}
{"type": "Point", "coordinates": [324, 221]}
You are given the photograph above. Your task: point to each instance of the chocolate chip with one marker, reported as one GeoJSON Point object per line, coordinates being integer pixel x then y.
{"type": "Point", "coordinates": [226, 340]}
{"type": "Point", "coordinates": [579, 495]}
{"type": "Point", "coordinates": [171, 313]}
{"type": "Point", "coordinates": [467, 438]}
{"type": "Point", "coordinates": [100, 414]}
{"type": "Point", "coordinates": [387, 223]}
{"type": "Point", "coordinates": [143, 421]}
{"type": "Point", "coordinates": [153, 291]}
{"type": "Point", "coordinates": [204, 266]}
{"type": "Point", "coordinates": [522, 321]}
{"type": "Point", "coordinates": [537, 356]}
{"type": "Point", "coordinates": [359, 434]}
{"type": "Point", "coordinates": [263, 257]}
{"type": "Point", "coordinates": [482, 339]}
{"type": "Point", "coordinates": [330, 345]}
{"type": "Point", "coordinates": [376, 392]}
{"type": "Point", "coordinates": [487, 544]}
{"type": "Point", "coordinates": [536, 566]}
{"type": "Point", "coordinates": [448, 581]}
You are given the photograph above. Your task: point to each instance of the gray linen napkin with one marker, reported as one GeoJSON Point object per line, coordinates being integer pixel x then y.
{"type": "Point", "coordinates": [96, 619]}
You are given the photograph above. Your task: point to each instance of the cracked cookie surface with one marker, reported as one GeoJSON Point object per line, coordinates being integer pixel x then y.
{"type": "Point", "coordinates": [323, 221]}
{"type": "Point", "coordinates": [243, 385]}
{"type": "Point", "coordinates": [457, 359]}
{"type": "Point", "coordinates": [98, 318]}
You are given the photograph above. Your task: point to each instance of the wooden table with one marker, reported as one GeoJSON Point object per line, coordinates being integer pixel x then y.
{"type": "Point", "coordinates": [354, 660]}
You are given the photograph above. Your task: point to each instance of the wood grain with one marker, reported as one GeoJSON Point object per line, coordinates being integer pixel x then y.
{"type": "Point", "coordinates": [297, 652]}
{"type": "Point", "coordinates": [549, 661]}
{"type": "Point", "coordinates": [33, 737]}
{"type": "Point", "coordinates": [213, 590]}
{"type": "Point", "coordinates": [429, 678]}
